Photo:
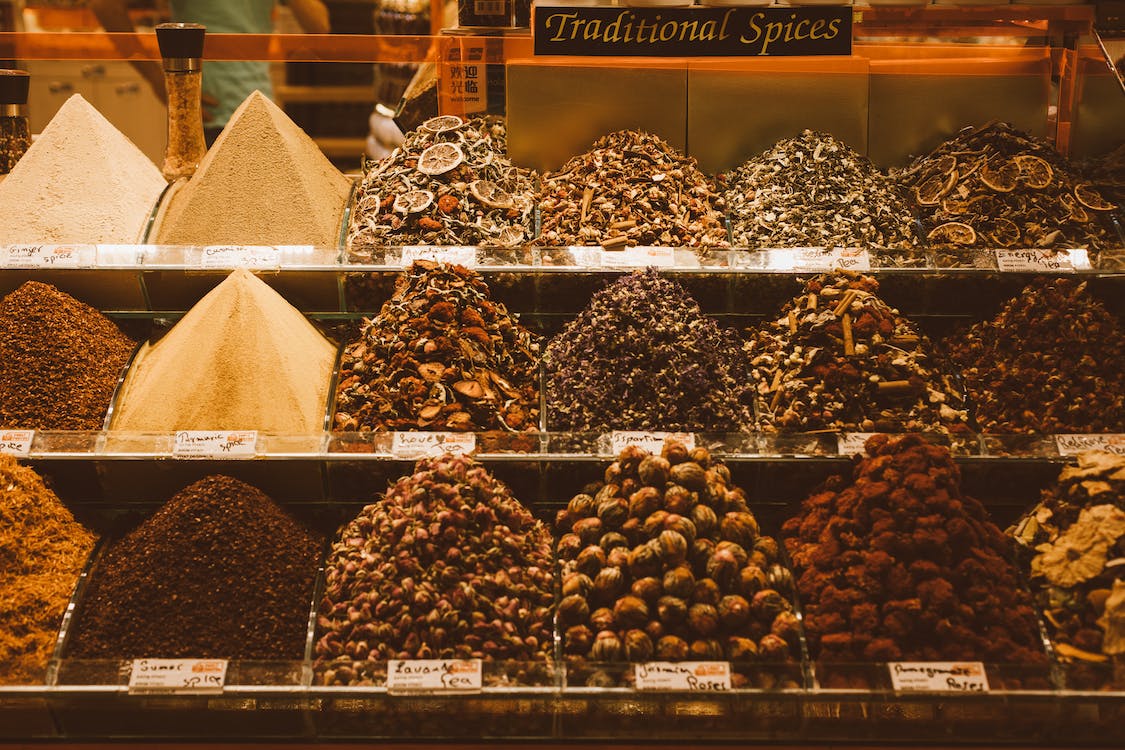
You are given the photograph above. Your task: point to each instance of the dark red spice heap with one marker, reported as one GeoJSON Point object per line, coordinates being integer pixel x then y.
{"type": "Point", "coordinates": [898, 563]}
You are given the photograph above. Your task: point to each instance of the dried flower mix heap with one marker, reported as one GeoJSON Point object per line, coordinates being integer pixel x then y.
{"type": "Point", "coordinates": [440, 355]}
{"type": "Point", "coordinates": [898, 564]}
{"type": "Point", "coordinates": [631, 188]}
{"type": "Point", "coordinates": [839, 358]}
{"type": "Point", "coordinates": [643, 356]}
{"type": "Point", "coordinates": [663, 560]}
{"type": "Point", "coordinates": [42, 551]}
{"type": "Point", "coordinates": [1049, 362]}
{"type": "Point", "coordinates": [815, 190]}
{"type": "Point", "coordinates": [449, 183]}
{"type": "Point", "coordinates": [447, 565]}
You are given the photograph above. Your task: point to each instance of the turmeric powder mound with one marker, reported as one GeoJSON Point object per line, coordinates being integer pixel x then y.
{"type": "Point", "coordinates": [42, 551]}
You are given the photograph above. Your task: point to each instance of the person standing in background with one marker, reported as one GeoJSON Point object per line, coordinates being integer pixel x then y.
{"type": "Point", "coordinates": [225, 84]}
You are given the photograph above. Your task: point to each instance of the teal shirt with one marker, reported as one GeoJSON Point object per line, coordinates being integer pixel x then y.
{"type": "Point", "coordinates": [230, 82]}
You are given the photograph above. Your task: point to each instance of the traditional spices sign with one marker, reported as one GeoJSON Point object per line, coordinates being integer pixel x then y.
{"type": "Point", "coordinates": [692, 32]}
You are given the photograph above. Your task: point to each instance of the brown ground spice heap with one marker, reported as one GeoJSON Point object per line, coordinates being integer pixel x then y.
{"type": "Point", "coordinates": [59, 360]}
{"type": "Point", "coordinates": [220, 571]}
{"type": "Point", "coordinates": [42, 551]}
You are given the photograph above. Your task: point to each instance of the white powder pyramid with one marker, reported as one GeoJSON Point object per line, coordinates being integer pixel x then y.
{"type": "Point", "coordinates": [81, 181]}
{"type": "Point", "coordinates": [263, 182]}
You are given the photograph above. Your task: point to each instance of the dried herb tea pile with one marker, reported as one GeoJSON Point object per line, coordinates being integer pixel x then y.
{"type": "Point", "coordinates": [447, 565]}
{"type": "Point", "coordinates": [220, 571]}
{"type": "Point", "coordinates": [663, 560]}
{"type": "Point", "coordinates": [449, 183]}
{"type": "Point", "coordinates": [59, 360]}
{"type": "Point", "coordinates": [840, 358]}
{"type": "Point", "coordinates": [643, 356]}
{"type": "Point", "coordinates": [631, 188]}
{"type": "Point", "coordinates": [1077, 532]}
{"type": "Point", "coordinates": [42, 551]}
{"type": "Point", "coordinates": [1049, 362]}
{"type": "Point", "coordinates": [897, 563]}
{"type": "Point", "coordinates": [814, 190]}
{"type": "Point", "coordinates": [994, 186]}
{"type": "Point", "coordinates": [440, 355]}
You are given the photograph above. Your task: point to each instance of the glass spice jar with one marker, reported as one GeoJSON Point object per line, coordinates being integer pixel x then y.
{"type": "Point", "coordinates": [181, 46]}
{"type": "Point", "coordinates": [15, 133]}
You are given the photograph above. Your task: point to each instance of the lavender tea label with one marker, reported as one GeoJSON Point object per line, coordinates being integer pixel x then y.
{"type": "Point", "coordinates": [938, 677]}
{"type": "Point", "coordinates": [48, 256]}
{"type": "Point", "coordinates": [684, 676]}
{"type": "Point", "coordinates": [652, 442]}
{"type": "Point", "coordinates": [259, 257]}
{"type": "Point", "coordinates": [215, 444]}
{"type": "Point", "coordinates": [412, 445]}
{"type": "Point", "coordinates": [850, 443]}
{"type": "Point", "coordinates": [434, 675]}
{"type": "Point", "coordinates": [178, 676]}
{"type": "Point", "coordinates": [1072, 445]}
{"type": "Point", "coordinates": [639, 257]}
{"type": "Point", "coordinates": [1034, 261]}
{"type": "Point", "coordinates": [462, 256]}
{"type": "Point", "coordinates": [16, 443]}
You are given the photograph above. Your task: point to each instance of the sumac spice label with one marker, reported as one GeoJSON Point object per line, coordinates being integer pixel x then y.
{"type": "Point", "coordinates": [178, 676]}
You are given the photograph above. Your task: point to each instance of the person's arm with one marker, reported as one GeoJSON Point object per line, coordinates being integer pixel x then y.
{"type": "Point", "coordinates": [113, 15]}
{"type": "Point", "coordinates": [312, 15]}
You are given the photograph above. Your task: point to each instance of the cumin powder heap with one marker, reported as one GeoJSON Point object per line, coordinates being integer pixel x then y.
{"type": "Point", "coordinates": [42, 551]}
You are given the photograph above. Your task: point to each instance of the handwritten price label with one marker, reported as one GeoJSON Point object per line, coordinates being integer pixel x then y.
{"type": "Point", "coordinates": [434, 675]}
{"type": "Point", "coordinates": [818, 259]}
{"type": "Point", "coordinates": [48, 256]}
{"type": "Point", "coordinates": [178, 676]}
{"type": "Point", "coordinates": [16, 442]}
{"type": "Point", "coordinates": [653, 442]}
{"type": "Point", "coordinates": [938, 677]}
{"type": "Point", "coordinates": [686, 676]}
{"type": "Point", "coordinates": [850, 443]}
{"type": "Point", "coordinates": [414, 445]}
{"type": "Point", "coordinates": [1072, 445]}
{"type": "Point", "coordinates": [639, 257]}
{"type": "Point", "coordinates": [260, 257]}
{"type": "Point", "coordinates": [1034, 261]}
{"type": "Point", "coordinates": [215, 444]}
{"type": "Point", "coordinates": [462, 256]}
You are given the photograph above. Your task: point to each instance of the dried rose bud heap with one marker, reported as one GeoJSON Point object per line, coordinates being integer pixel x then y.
{"type": "Point", "coordinates": [643, 356]}
{"type": "Point", "coordinates": [449, 183]}
{"type": "Point", "coordinates": [898, 564]}
{"type": "Point", "coordinates": [440, 355]}
{"type": "Point", "coordinates": [1049, 362]}
{"type": "Point", "coordinates": [994, 186]}
{"type": "Point", "coordinates": [1078, 572]}
{"type": "Point", "coordinates": [815, 190]}
{"type": "Point", "coordinates": [839, 358]}
{"type": "Point", "coordinates": [631, 188]}
{"type": "Point", "coordinates": [664, 561]}
{"type": "Point", "coordinates": [447, 565]}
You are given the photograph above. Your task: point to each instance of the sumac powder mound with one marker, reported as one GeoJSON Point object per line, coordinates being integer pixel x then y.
{"type": "Point", "coordinates": [898, 564]}
{"type": "Point", "coordinates": [59, 360]}
{"type": "Point", "coordinates": [220, 571]}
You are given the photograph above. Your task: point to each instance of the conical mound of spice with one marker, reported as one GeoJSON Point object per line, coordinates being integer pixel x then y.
{"type": "Point", "coordinates": [81, 181]}
{"type": "Point", "coordinates": [59, 360]}
{"type": "Point", "coordinates": [815, 190]}
{"type": "Point", "coordinates": [241, 359]}
{"type": "Point", "coordinates": [840, 358]}
{"type": "Point", "coordinates": [643, 356]}
{"type": "Point", "coordinates": [447, 565]}
{"type": "Point", "coordinates": [220, 571]}
{"type": "Point", "coordinates": [1049, 362]}
{"type": "Point", "coordinates": [42, 551]}
{"type": "Point", "coordinates": [263, 182]}
{"type": "Point", "coordinates": [440, 355]}
{"type": "Point", "coordinates": [995, 186]}
{"type": "Point", "coordinates": [631, 188]}
{"type": "Point", "coordinates": [897, 563]}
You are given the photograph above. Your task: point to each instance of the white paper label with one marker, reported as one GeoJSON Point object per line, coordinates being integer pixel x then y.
{"type": "Point", "coordinates": [819, 259]}
{"type": "Point", "coordinates": [215, 444]}
{"type": "Point", "coordinates": [178, 676]}
{"type": "Point", "coordinates": [850, 443]}
{"type": "Point", "coordinates": [48, 256]}
{"type": "Point", "coordinates": [462, 256]}
{"type": "Point", "coordinates": [241, 256]}
{"type": "Point", "coordinates": [16, 442]}
{"type": "Point", "coordinates": [431, 444]}
{"type": "Point", "coordinates": [434, 675]}
{"type": "Point", "coordinates": [639, 257]}
{"type": "Point", "coordinates": [940, 677]}
{"type": "Point", "coordinates": [653, 442]}
{"type": "Point", "coordinates": [1072, 445]}
{"type": "Point", "coordinates": [691, 676]}
{"type": "Point", "coordinates": [1034, 261]}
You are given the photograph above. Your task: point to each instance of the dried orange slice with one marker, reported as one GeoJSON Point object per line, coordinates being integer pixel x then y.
{"type": "Point", "coordinates": [930, 191]}
{"type": "Point", "coordinates": [1005, 232]}
{"type": "Point", "coordinates": [953, 232]}
{"type": "Point", "coordinates": [440, 158]}
{"type": "Point", "coordinates": [1089, 197]}
{"type": "Point", "coordinates": [490, 194]}
{"type": "Point", "coordinates": [412, 201]}
{"type": "Point", "coordinates": [1035, 172]}
{"type": "Point", "coordinates": [442, 123]}
{"type": "Point", "coordinates": [1003, 178]}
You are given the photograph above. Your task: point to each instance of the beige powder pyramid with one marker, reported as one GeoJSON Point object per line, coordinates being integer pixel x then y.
{"type": "Point", "coordinates": [263, 182]}
{"type": "Point", "coordinates": [81, 181]}
{"type": "Point", "coordinates": [241, 359]}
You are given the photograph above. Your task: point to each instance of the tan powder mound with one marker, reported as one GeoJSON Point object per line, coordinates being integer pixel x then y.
{"type": "Point", "coordinates": [241, 359]}
{"type": "Point", "coordinates": [81, 181]}
{"type": "Point", "coordinates": [264, 182]}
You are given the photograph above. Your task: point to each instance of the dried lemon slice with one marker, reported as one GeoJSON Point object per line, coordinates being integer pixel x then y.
{"type": "Point", "coordinates": [413, 201]}
{"type": "Point", "coordinates": [1002, 179]}
{"type": "Point", "coordinates": [1089, 197]}
{"type": "Point", "coordinates": [442, 123]}
{"type": "Point", "coordinates": [1005, 232]}
{"type": "Point", "coordinates": [1035, 172]}
{"type": "Point", "coordinates": [440, 158]}
{"type": "Point", "coordinates": [490, 194]}
{"type": "Point", "coordinates": [954, 232]}
{"type": "Point", "coordinates": [932, 190]}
